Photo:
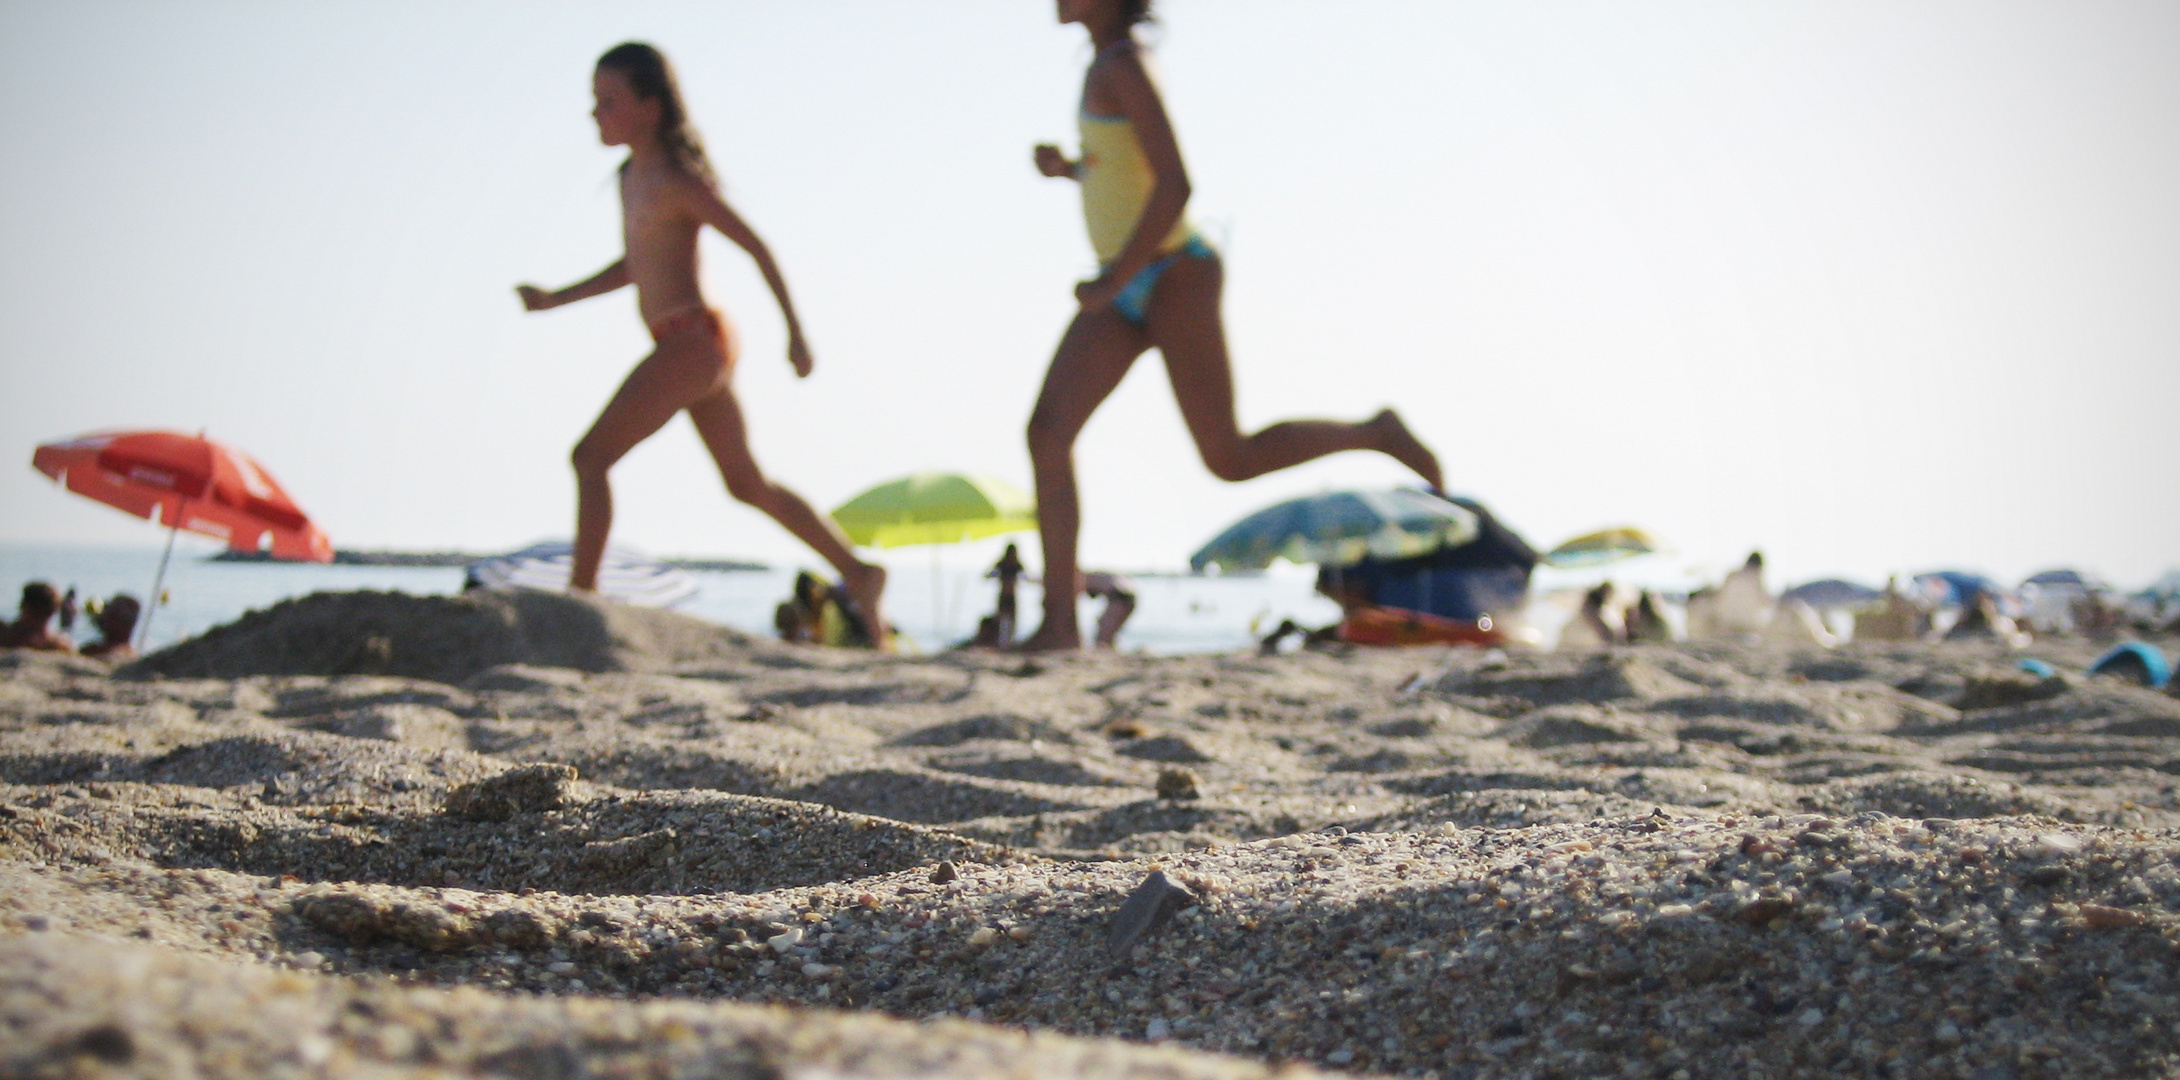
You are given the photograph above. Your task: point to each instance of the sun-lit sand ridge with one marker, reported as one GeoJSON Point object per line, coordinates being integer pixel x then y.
{"type": "Point", "coordinates": [608, 830]}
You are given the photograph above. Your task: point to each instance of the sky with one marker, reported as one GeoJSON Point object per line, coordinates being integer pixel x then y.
{"type": "Point", "coordinates": [1874, 287]}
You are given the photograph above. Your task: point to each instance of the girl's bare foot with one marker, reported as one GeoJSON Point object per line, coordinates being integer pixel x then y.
{"type": "Point", "coordinates": [1052, 638]}
{"type": "Point", "coordinates": [867, 587]}
{"type": "Point", "coordinates": [1402, 445]}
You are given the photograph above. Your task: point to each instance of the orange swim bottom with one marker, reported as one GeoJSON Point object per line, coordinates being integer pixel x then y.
{"type": "Point", "coordinates": [695, 317]}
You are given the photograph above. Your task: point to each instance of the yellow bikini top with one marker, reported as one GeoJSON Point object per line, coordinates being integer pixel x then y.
{"type": "Point", "coordinates": [1116, 181]}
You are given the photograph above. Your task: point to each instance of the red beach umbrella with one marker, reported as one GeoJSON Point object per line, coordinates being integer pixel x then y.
{"type": "Point", "coordinates": [185, 482]}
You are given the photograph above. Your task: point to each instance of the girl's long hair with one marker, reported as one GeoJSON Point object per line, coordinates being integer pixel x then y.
{"type": "Point", "coordinates": [652, 78]}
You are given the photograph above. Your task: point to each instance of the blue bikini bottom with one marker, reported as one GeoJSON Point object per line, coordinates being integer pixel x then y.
{"type": "Point", "coordinates": [1134, 300]}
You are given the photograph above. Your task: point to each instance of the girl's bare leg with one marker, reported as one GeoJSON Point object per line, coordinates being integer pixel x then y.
{"type": "Point", "coordinates": [680, 370]}
{"type": "Point", "coordinates": [1185, 326]}
{"type": "Point", "coordinates": [1094, 354]}
{"type": "Point", "coordinates": [718, 418]}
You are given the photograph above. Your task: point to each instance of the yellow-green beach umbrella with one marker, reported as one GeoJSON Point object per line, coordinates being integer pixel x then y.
{"type": "Point", "coordinates": [936, 508]}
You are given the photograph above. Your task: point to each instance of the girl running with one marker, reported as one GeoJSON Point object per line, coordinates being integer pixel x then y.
{"type": "Point", "coordinates": [1159, 289]}
{"type": "Point", "coordinates": [668, 193]}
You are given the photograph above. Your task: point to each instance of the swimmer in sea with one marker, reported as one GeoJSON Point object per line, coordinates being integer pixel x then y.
{"type": "Point", "coordinates": [1118, 592]}
{"type": "Point", "coordinates": [1159, 289]}
{"type": "Point", "coordinates": [668, 194]}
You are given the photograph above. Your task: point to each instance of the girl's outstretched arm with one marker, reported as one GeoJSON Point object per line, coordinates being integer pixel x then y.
{"type": "Point", "coordinates": [604, 281]}
{"type": "Point", "coordinates": [1130, 86]}
{"type": "Point", "coordinates": [1053, 163]}
{"type": "Point", "coordinates": [713, 210]}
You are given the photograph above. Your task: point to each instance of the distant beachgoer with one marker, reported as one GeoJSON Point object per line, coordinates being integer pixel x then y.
{"type": "Point", "coordinates": [820, 613]}
{"type": "Point", "coordinates": [801, 618]}
{"type": "Point", "coordinates": [1009, 573]}
{"type": "Point", "coordinates": [32, 628]}
{"type": "Point", "coordinates": [2098, 615]}
{"type": "Point", "coordinates": [1984, 617]}
{"type": "Point", "coordinates": [1891, 617]}
{"type": "Point", "coordinates": [1795, 624]}
{"type": "Point", "coordinates": [1597, 625]}
{"type": "Point", "coordinates": [1118, 592]}
{"type": "Point", "coordinates": [116, 622]}
{"type": "Point", "coordinates": [793, 621]}
{"type": "Point", "coordinates": [987, 635]}
{"type": "Point", "coordinates": [1160, 289]}
{"type": "Point", "coordinates": [1645, 621]}
{"type": "Point", "coordinates": [1349, 591]}
{"type": "Point", "coordinates": [1740, 606]}
{"type": "Point", "coordinates": [668, 193]}
{"type": "Point", "coordinates": [1274, 642]}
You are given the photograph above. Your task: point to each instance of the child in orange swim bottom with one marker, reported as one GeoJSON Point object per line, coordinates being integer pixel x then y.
{"type": "Point", "coordinates": [668, 194]}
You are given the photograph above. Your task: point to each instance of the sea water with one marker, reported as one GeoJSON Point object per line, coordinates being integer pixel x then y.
{"type": "Point", "coordinates": [934, 606]}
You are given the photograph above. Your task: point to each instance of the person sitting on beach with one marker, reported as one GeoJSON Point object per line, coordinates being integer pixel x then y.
{"type": "Point", "coordinates": [801, 617]}
{"type": "Point", "coordinates": [668, 194]}
{"type": "Point", "coordinates": [792, 619]}
{"type": "Point", "coordinates": [116, 622]}
{"type": "Point", "coordinates": [1795, 624]}
{"type": "Point", "coordinates": [1739, 607]}
{"type": "Point", "coordinates": [32, 628]}
{"type": "Point", "coordinates": [1118, 592]}
{"type": "Point", "coordinates": [820, 613]}
{"type": "Point", "coordinates": [1599, 624]}
{"type": "Point", "coordinates": [1984, 617]}
{"type": "Point", "coordinates": [1891, 617]}
{"type": "Point", "coordinates": [1159, 288]}
{"type": "Point", "coordinates": [1645, 621]}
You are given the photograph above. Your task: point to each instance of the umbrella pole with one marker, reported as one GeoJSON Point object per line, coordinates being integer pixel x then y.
{"type": "Point", "coordinates": [939, 612]}
{"type": "Point", "coordinates": [151, 604]}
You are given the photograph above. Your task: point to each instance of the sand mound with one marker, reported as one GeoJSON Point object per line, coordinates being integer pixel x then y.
{"type": "Point", "coordinates": [1417, 862]}
{"type": "Point", "coordinates": [77, 1007]}
{"type": "Point", "coordinates": [445, 639]}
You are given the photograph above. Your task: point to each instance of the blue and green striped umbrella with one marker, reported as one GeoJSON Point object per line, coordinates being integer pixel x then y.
{"type": "Point", "coordinates": [1340, 527]}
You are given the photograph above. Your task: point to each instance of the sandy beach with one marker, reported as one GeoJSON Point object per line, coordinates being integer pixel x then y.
{"type": "Point", "coordinates": [523, 835]}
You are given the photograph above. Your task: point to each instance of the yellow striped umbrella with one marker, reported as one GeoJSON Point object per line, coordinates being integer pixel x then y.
{"type": "Point", "coordinates": [1603, 546]}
